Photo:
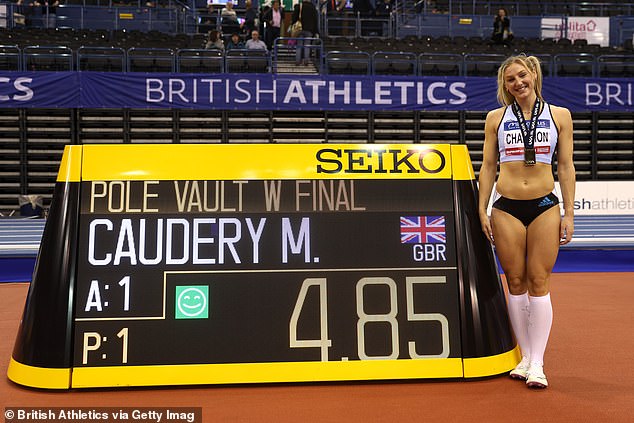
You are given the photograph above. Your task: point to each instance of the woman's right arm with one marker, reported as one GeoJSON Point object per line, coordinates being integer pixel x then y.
{"type": "Point", "coordinates": [488, 169]}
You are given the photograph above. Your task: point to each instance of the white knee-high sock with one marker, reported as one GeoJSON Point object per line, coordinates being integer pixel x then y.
{"type": "Point", "coordinates": [519, 314]}
{"type": "Point", "coordinates": [540, 322]}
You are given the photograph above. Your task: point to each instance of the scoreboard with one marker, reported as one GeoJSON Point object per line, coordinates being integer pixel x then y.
{"type": "Point", "coordinates": [202, 264]}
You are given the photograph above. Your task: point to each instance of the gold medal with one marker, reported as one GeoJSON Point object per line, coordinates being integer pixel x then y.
{"type": "Point", "coordinates": [529, 156]}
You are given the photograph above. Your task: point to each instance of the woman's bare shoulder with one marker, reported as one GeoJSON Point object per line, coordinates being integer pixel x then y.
{"type": "Point", "coordinates": [495, 116]}
{"type": "Point", "coordinates": [496, 113]}
{"type": "Point", "coordinates": [560, 112]}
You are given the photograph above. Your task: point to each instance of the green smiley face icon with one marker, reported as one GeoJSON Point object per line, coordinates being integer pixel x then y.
{"type": "Point", "coordinates": [192, 302]}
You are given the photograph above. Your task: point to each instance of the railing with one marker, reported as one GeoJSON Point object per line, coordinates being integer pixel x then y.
{"type": "Point", "coordinates": [468, 18]}
{"type": "Point", "coordinates": [486, 7]}
{"type": "Point", "coordinates": [336, 61]}
{"type": "Point", "coordinates": [536, 26]}
{"type": "Point", "coordinates": [170, 18]}
{"type": "Point", "coordinates": [285, 52]}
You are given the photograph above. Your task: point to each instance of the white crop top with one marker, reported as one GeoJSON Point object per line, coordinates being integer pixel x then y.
{"type": "Point", "coordinates": [511, 143]}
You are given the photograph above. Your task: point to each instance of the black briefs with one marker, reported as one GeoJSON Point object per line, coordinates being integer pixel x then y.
{"type": "Point", "coordinates": [526, 210]}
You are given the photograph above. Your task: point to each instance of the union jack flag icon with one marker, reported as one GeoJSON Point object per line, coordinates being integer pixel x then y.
{"type": "Point", "coordinates": [423, 230]}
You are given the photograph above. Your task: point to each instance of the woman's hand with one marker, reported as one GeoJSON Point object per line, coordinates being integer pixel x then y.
{"type": "Point", "coordinates": [566, 229]}
{"type": "Point", "coordinates": [485, 222]}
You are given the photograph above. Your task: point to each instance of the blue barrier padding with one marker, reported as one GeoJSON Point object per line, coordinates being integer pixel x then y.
{"type": "Point", "coordinates": [595, 261]}
{"type": "Point", "coordinates": [20, 269]}
{"type": "Point", "coordinates": [592, 261]}
{"type": "Point", "coordinates": [16, 269]}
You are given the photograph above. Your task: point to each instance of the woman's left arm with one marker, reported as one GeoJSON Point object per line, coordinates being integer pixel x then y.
{"type": "Point", "coordinates": [565, 171]}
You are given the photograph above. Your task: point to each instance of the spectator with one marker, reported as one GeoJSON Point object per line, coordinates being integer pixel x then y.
{"type": "Point", "coordinates": [502, 28]}
{"type": "Point", "coordinates": [210, 7]}
{"type": "Point", "coordinates": [211, 16]}
{"type": "Point", "coordinates": [333, 6]}
{"type": "Point", "coordinates": [20, 14]}
{"type": "Point", "coordinates": [255, 43]}
{"type": "Point", "coordinates": [273, 18]}
{"type": "Point", "coordinates": [306, 13]}
{"type": "Point", "coordinates": [250, 18]}
{"type": "Point", "coordinates": [228, 13]}
{"type": "Point", "coordinates": [235, 43]}
{"type": "Point", "coordinates": [215, 41]}
{"type": "Point", "coordinates": [229, 18]}
{"type": "Point", "coordinates": [49, 12]}
{"type": "Point", "coordinates": [335, 10]}
{"type": "Point", "coordinates": [52, 13]}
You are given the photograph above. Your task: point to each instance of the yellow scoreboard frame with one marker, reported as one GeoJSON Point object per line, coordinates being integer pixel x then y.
{"type": "Point", "coordinates": [83, 329]}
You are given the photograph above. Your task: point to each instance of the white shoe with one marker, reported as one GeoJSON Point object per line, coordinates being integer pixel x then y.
{"type": "Point", "coordinates": [521, 370]}
{"type": "Point", "coordinates": [536, 377]}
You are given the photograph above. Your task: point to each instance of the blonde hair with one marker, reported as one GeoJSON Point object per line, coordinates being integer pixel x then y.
{"type": "Point", "coordinates": [532, 64]}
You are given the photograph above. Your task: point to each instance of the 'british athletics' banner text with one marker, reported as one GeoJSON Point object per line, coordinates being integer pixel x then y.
{"type": "Point", "coordinates": [292, 92]}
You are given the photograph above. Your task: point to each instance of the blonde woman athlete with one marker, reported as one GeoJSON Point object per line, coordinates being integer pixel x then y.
{"type": "Point", "coordinates": [526, 225]}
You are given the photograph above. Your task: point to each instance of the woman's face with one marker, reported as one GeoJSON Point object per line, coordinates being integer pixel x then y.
{"type": "Point", "coordinates": [501, 13]}
{"type": "Point", "coordinates": [519, 81]}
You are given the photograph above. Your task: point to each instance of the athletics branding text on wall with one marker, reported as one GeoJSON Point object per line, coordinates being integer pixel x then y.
{"type": "Point", "coordinates": [288, 92]}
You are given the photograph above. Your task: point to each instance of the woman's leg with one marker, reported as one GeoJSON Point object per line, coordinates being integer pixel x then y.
{"type": "Point", "coordinates": [542, 249]}
{"type": "Point", "coordinates": [509, 235]}
{"type": "Point", "coordinates": [510, 241]}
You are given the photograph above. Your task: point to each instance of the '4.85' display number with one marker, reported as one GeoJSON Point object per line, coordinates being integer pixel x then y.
{"type": "Point", "coordinates": [365, 320]}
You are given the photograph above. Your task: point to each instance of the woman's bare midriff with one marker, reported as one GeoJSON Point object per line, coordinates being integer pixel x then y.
{"type": "Point", "coordinates": [520, 182]}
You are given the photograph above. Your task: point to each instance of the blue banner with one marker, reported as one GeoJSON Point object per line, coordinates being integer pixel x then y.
{"type": "Point", "coordinates": [40, 89]}
{"type": "Point", "coordinates": [292, 92]}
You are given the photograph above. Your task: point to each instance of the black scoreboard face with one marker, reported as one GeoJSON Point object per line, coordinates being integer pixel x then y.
{"type": "Point", "coordinates": [330, 270]}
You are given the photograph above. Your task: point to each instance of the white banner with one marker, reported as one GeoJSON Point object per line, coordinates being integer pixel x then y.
{"type": "Point", "coordinates": [594, 29]}
{"type": "Point", "coordinates": [603, 198]}
{"type": "Point", "coordinates": [594, 198]}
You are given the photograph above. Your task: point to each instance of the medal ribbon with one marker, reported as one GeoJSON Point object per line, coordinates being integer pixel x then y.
{"type": "Point", "coordinates": [528, 130]}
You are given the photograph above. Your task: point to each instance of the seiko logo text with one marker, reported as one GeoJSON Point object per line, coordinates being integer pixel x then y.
{"type": "Point", "coordinates": [379, 161]}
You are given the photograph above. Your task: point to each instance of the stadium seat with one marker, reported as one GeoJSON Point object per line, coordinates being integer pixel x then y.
{"type": "Point", "coordinates": [394, 63]}
{"type": "Point", "coordinates": [51, 58]}
{"type": "Point", "coordinates": [199, 61]}
{"type": "Point", "coordinates": [10, 58]}
{"type": "Point", "coordinates": [440, 64]}
{"type": "Point", "coordinates": [482, 64]}
{"type": "Point", "coordinates": [574, 65]}
{"type": "Point", "coordinates": [238, 61]}
{"type": "Point", "coordinates": [101, 59]}
{"type": "Point", "coordinates": [615, 66]}
{"type": "Point", "coordinates": [151, 60]}
{"type": "Point", "coordinates": [348, 62]}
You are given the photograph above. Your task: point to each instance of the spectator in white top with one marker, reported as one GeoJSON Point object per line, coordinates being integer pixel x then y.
{"type": "Point", "coordinates": [229, 19]}
{"type": "Point", "coordinates": [228, 13]}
